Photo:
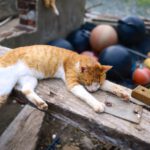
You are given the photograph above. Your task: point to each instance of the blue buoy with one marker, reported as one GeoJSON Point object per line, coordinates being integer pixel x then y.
{"type": "Point", "coordinates": [80, 40]}
{"type": "Point", "coordinates": [131, 30]}
{"type": "Point", "coordinates": [118, 57]}
{"type": "Point", "coordinates": [61, 43]}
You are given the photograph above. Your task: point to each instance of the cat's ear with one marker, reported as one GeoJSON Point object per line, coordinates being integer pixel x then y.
{"type": "Point", "coordinates": [105, 68]}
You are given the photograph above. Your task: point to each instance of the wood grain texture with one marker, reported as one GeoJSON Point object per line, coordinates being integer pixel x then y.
{"type": "Point", "coordinates": [23, 132]}
{"type": "Point", "coordinates": [50, 91]}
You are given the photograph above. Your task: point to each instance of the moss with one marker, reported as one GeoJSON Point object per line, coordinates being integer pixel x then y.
{"type": "Point", "coordinates": [143, 2]}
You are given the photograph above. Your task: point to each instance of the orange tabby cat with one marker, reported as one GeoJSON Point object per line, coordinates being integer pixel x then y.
{"type": "Point", "coordinates": [23, 67]}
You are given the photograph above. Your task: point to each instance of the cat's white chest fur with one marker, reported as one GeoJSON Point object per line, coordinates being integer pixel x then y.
{"type": "Point", "coordinates": [60, 73]}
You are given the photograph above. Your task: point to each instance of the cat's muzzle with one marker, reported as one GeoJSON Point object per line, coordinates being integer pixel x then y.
{"type": "Point", "coordinates": [93, 87]}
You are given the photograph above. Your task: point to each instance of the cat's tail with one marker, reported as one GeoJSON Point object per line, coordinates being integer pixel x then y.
{"type": "Point", "coordinates": [3, 100]}
{"type": "Point", "coordinates": [52, 4]}
{"type": "Point", "coordinates": [55, 10]}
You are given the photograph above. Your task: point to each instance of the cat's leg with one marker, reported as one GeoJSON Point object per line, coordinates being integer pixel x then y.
{"type": "Point", "coordinates": [116, 89]}
{"type": "Point", "coordinates": [83, 94]}
{"type": "Point", "coordinates": [26, 85]}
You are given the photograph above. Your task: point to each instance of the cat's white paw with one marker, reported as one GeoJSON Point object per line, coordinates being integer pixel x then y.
{"type": "Point", "coordinates": [125, 96]}
{"type": "Point", "coordinates": [42, 106]}
{"type": "Point", "coordinates": [99, 107]}
{"type": "Point", "coordinates": [122, 93]}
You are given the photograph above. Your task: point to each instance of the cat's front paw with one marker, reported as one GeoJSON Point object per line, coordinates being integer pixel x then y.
{"type": "Point", "coordinates": [42, 106]}
{"type": "Point", "coordinates": [125, 96]}
{"type": "Point", "coordinates": [99, 107]}
{"type": "Point", "coordinates": [122, 93]}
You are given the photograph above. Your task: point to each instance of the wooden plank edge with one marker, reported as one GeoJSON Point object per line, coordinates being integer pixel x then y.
{"type": "Point", "coordinates": [23, 131]}
{"type": "Point", "coordinates": [101, 132]}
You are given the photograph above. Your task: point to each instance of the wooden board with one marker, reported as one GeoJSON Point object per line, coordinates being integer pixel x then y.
{"type": "Point", "coordinates": [50, 91]}
{"type": "Point", "coordinates": [23, 132]}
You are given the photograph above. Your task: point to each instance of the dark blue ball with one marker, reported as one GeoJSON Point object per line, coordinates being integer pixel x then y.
{"type": "Point", "coordinates": [80, 40]}
{"type": "Point", "coordinates": [144, 45]}
{"type": "Point", "coordinates": [61, 43]}
{"type": "Point", "coordinates": [88, 26]}
{"type": "Point", "coordinates": [131, 30]}
{"type": "Point", "coordinates": [118, 57]}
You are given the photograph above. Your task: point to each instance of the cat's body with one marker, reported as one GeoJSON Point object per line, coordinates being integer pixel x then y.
{"type": "Point", "coordinates": [23, 67]}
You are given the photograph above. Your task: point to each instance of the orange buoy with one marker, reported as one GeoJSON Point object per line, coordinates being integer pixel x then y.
{"type": "Point", "coordinates": [141, 76]}
{"type": "Point", "coordinates": [103, 36]}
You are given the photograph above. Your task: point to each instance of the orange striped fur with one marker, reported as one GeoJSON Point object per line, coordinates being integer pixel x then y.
{"type": "Point", "coordinates": [47, 59]}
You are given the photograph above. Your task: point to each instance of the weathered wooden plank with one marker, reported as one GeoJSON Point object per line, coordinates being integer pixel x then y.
{"type": "Point", "coordinates": [55, 92]}
{"type": "Point", "coordinates": [23, 132]}
{"type": "Point", "coordinates": [8, 113]}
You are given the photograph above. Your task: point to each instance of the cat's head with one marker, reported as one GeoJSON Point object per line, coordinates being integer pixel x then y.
{"type": "Point", "coordinates": [91, 74]}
